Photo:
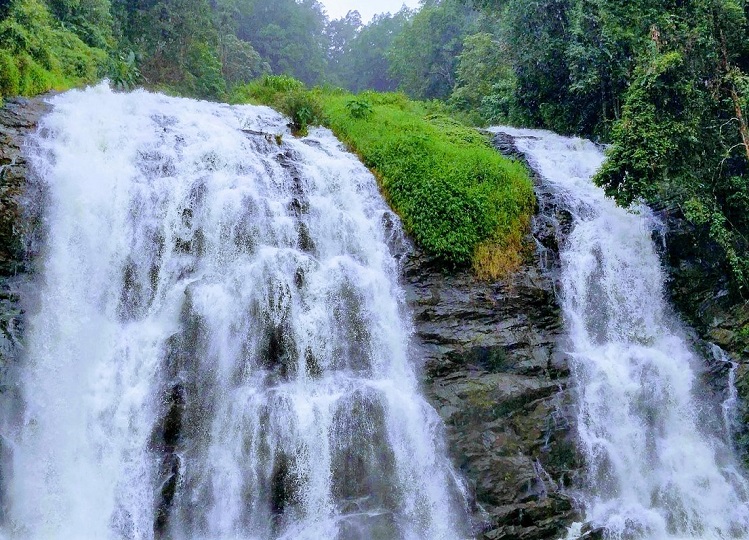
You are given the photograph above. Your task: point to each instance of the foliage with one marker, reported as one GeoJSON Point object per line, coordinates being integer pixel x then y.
{"type": "Point", "coordinates": [359, 108]}
{"type": "Point", "coordinates": [265, 89]}
{"type": "Point", "coordinates": [452, 190]}
{"type": "Point", "coordinates": [10, 76]}
{"type": "Point", "coordinates": [681, 140]}
{"type": "Point", "coordinates": [664, 82]}
{"type": "Point", "coordinates": [123, 72]}
{"type": "Point", "coordinates": [288, 34]}
{"type": "Point", "coordinates": [424, 56]}
{"type": "Point", "coordinates": [203, 76]}
{"type": "Point", "coordinates": [177, 43]}
{"type": "Point", "coordinates": [482, 68]}
{"type": "Point", "coordinates": [303, 108]}
{"type": "Point", "coordinates": [240, 62]}
{"type": "Point", "coordinates": [341, 35]}
{"type": "Point", "coordinates": [37, 54]}
{"type": "Point", "coordinates": [90, 20]}
{"type": "Point", "coordinates": [281, 83]}
{"type": "Point", "coordinates": [286, 94]}
{"type": "Point", "coordinates": [364, 60]}
{"type": "Point", "coordinates": [461, 200]}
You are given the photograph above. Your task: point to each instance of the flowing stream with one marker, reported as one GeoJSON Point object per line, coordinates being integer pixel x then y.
{"type": "Point", "coordinates": [219, 347]}
{"type": "Point", "coordinates": [658, 460]}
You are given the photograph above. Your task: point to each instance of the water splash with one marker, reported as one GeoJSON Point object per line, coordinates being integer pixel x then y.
{"type": "Point", "coordinates": [657, 468]}
{"type": "Point", "coordinates": [219, 348]}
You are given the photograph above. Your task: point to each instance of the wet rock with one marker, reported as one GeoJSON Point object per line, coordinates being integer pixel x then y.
{"type": "Point", "coordinates": [592, 533]}
{"type": "Point", "coordinates": [18, 118]}
{"type": "Point", "coordinates": [496, 371]}
{"type": "Point", "coordinates": [552, 222]}
{"type": "Point", "coordinates": [699, 288]}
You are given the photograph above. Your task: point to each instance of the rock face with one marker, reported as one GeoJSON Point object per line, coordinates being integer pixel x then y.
{"type": "Point", "coordinates": [18, 118]}
{"type": "Point", "coordinates": [496, 371]}
{"type": "Point", "coordinates": [699, 289]}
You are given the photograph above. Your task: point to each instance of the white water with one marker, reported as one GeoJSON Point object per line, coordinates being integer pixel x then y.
{"type": "Point", "coordinates": [659, 465]}
{"type": "Point", "coordinates": [219, 349]}
{"type": "Point", "coordinates": [731, 402]}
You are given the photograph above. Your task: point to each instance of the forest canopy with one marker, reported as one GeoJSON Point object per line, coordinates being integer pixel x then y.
{"type": "Point", "coordinates": [663, 82]}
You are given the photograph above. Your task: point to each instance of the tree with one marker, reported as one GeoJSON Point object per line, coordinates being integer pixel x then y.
{"type": "Point", "coordinates": [289, 35]}
{"type": "Point", "coordinates": [424, 56]}
{"type": "Point", "coordinates": [177, 42]}
{"type": "Point", "coordinates": [91, 20]}
{"type": "Point", "coordinates": [485, 81]}
{"type": "Point", "coordinates": [341, 33]}
{"type": "Point", "coordinates": [367, 64]}
{"type": "Point", "coordinates": [682, 138]}
{"type": "Point", "coordinates": [240, 62]}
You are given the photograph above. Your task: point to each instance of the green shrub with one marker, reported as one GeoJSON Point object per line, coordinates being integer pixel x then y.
{"type": "Point", "coordinates": [457, 196]}
{"type": "Point", "coordinates": [241, 63]}
{"type": "Point", "coordinates": [359, 108]}
{"type": "Point", "coordinates": [396, 99]}
{"type": "Point", "coordinates": [203, 77]}
{"type": "Point", "coordinates": [34, 78]}
{"type": "Point", "coordinates": [282, 83]}
{"type": "Point", "coordinates": [266, 89]}
{"type": "Point", "coordinates": [10, 77]}
{"type": "Point", "coordinates": [303, 108]}
{"type": "Point", "coordinates": [124, 72]}
{"type": "Point", "coordinates": [287, 95]}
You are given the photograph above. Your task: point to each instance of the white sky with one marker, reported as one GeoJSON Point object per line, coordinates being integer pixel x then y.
{"type": "Point", "coordinates": [367, 8]}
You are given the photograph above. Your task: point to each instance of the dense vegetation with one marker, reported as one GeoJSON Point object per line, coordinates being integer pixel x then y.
{"type": "Point", "coordinates": [37, 53]}
{"type": "Point", "coordinates": [460, 200]}
{"type": "Point", "coordinates": [197, 48]}
{"type": "Point", "coordinates": [663, 81]}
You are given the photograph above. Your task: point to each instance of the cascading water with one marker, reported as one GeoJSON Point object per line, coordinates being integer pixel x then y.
{"type": "Point", "coordinates": [659, 465]}
{"type": "Point", "coordinates": [219, 348]}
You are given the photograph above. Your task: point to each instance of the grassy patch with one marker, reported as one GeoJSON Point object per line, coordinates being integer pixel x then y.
{"type": "Point", "coordinates": [458, 198]}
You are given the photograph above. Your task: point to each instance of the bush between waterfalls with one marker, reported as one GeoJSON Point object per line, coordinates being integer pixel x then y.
{"type": "Point", "coordinates": [459, 199]}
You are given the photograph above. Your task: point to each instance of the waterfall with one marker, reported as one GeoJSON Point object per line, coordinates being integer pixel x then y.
{"type": "Point", "coordinates": [659, 463]}
{"type": "Point", "coordinates": [218, 347]}
{"type": "Point", "coordinates": [730, 403]}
